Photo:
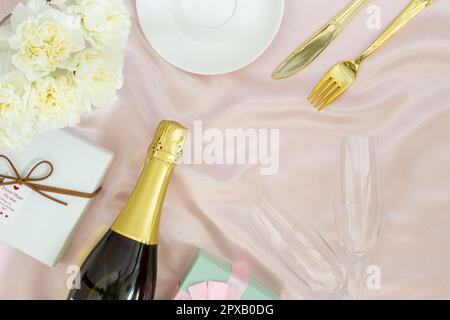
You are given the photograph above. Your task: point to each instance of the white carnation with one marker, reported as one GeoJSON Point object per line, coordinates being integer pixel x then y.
{"type": "Point", "coordinates": [56, 60]}
{"type": "Point", "coordinates": [55, 102]}
{"type": "Point", "coordinates": [106, 23]}
{"type": "Point", "coordinates": [15, 119]}
{"type": "Point", "coordinates": [99, 76]}
{"type": "Point", "coordinates": [44, 41]}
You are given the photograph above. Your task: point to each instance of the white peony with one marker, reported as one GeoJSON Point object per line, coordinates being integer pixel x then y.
{"type": "Point", "coordinates": [15, 120]}
{"type": "Point", "coordinates": [44, 39]}
{"type": "Point", "coordinates": [99, 75]}
{"type": "Point", "coordinates": [55, 102]}
{"type": "Point", "coordinates": [106, 23]}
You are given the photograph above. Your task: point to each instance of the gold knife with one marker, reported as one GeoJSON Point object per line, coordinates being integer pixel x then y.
{"type": "Point", "coordinates": [311, 48]}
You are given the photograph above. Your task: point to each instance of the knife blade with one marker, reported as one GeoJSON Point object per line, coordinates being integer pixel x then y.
{"type": "Point", "coordinates": [308, 51]}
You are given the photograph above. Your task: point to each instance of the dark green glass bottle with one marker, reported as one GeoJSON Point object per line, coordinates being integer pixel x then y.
{"type": "Point", "coordinates": [123, 265]}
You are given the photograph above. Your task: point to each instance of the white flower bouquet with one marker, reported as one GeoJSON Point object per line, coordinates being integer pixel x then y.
{"type": "Point", "coordinates": [58, 59]}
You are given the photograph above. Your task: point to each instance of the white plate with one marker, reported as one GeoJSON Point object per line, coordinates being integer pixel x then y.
{"type": "Point", "coordinates": [210, 36]}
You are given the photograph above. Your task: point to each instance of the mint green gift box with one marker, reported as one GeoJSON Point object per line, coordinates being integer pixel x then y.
{"type": "Point", "coordinates": [207, 267]}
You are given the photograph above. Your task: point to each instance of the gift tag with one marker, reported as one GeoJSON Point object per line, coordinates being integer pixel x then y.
{"type": "Point", "coordinates": [12, 199]}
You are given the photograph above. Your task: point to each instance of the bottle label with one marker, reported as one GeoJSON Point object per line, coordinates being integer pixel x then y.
{"type": "Point", "coordinates": [12, 198]}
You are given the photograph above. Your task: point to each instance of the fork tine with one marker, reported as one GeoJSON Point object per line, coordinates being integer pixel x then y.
{"type": "Point", "coordinates": [335, 95]}
{"type": "Point", "coordinates": [329, 86]}
{"type": "Point", "coordinates": [327, 95]}
{"type": "Point", "coordinates": [322, 82]}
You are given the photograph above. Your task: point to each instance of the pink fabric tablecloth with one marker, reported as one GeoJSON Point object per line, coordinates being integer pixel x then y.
{"type": "Point", "coordinates": [402, 95]}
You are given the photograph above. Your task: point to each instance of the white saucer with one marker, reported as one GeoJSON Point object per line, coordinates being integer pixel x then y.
{"type": "Point", "coordinates": [210, 36]}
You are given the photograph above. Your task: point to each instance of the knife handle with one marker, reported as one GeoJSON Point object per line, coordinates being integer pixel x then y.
{"type": "Point", "coordinates": [412, 10]}
{"type": "Point", "coordinates": [344, 17]}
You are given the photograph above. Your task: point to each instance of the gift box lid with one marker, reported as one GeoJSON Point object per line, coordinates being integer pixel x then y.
{"type": "Point", "coordinates": [207, 267]}
{"type": "Point", "coordinates": [41, 227]}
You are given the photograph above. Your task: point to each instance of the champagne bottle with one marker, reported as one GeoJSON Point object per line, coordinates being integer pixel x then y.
{"type": "Point", "coordinates": [123, 264]}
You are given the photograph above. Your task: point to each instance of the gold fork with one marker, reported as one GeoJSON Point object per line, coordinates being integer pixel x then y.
{"type": "Point", "coordinates": [342, 75]}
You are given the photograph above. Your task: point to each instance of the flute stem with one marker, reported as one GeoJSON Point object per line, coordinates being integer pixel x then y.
{"type": "Point", "coordinates": [358, 267]}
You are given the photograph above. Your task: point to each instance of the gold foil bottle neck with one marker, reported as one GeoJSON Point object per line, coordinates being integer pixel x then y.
{"type": "Point", "coordinates": [139, 219]}
{"type": "Point", "coordinates": [168, 142]}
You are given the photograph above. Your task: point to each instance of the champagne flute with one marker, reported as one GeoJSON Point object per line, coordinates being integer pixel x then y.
{"type": "Point", "coordinates": [358, 205]}
{"type": "Point", "coordinates": [300, 248]}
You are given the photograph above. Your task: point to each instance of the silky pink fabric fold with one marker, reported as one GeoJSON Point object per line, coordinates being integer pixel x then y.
{"type": "Point", "coordinates": [402, 95]}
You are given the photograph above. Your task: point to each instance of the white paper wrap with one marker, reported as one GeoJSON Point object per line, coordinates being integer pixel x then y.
{"type": "Point", "coordinates": [43, 228]}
